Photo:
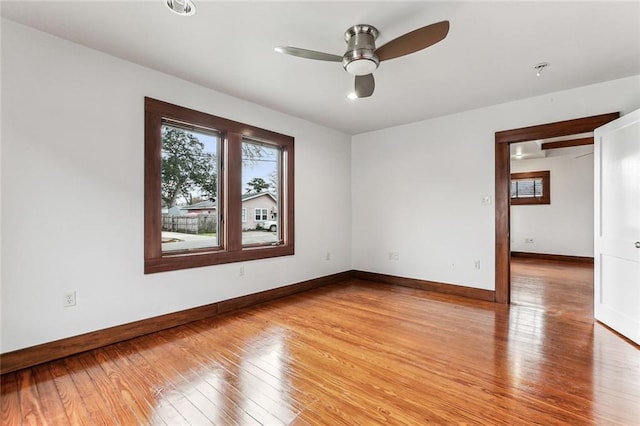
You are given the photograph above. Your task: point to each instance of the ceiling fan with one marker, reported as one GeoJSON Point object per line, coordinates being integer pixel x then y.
{"type": "Point", "coordinates": [362, 57]}
{"type": "Point", "coordinates": [583, 155]}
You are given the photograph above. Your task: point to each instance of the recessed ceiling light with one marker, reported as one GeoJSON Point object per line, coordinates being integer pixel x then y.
{"type": "Point", "coordinates": [182, 7]}
{"type": "Point", "coordinates": [352, 96]}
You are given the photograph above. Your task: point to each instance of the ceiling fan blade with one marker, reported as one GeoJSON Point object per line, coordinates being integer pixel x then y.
{"type": "Point", "coordinates": [583, 155]}
{"type": "Point", "coordinates": [365, 85]}
{"type": "Point", "coordinates": [413, 41]}
{"type": "Point", "coordinates": [308, 54]}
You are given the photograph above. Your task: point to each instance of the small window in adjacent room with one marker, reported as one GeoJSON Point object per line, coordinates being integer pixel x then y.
{"type": "Point", "coordinates": [204, 175]}
{"type": "Point", "coordinates": [530, 188]}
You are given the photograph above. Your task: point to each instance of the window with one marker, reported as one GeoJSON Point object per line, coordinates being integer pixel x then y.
{"type": "Point", "coordinates": [262, 190]}
{"type": "Point", "coordinates": [189, 186]}
{"type": "Point", "coordinates": [261, 214]}
{"type": "Point", "coordinates": [530, 188]}
{"type": "Point", "coordinates": [200, 171]}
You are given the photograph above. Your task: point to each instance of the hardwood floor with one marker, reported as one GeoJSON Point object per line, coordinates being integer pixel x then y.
{"type": "Point", "coordinates": [356, 353]}
{"type": "Point", "coordinates": [557, 287]}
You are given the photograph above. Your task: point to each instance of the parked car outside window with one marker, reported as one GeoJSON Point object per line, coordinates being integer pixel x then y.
{"type": "Point", "coordinates": [270, 225]}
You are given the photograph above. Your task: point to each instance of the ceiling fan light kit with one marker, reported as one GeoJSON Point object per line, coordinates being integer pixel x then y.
{"type": "Point", "coordinates": [362, 57]}
{"type": "Point", "coordinates": [362, 66]}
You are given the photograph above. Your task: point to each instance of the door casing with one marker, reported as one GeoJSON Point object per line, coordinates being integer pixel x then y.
{"type": "Point", "coordinates": [503, 140]}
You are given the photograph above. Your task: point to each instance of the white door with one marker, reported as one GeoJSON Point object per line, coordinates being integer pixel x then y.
{"type": "Point", "coordinates": [617, 225]}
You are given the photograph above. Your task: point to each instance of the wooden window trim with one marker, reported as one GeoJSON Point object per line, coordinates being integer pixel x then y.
{"type": "Point", "coordinates": [230, 181]}
{"type": "Point", "coordinates": [546, 188]}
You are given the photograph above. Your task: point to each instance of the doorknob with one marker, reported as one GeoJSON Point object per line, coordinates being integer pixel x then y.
{"type": "Point", "coordinates": [637, 244]}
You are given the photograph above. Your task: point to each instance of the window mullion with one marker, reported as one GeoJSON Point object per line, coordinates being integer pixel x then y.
{"type": "Point", "coordinates": [233, 192]}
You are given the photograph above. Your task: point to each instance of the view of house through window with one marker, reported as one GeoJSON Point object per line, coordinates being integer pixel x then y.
{"type": "Point", "coordinates": [190, 213]}
{"type": "Point", "coordinates": [216, 190]}
{"type": "Point", "coordinates": [260, 188]}
{"type": "Point", "coordinates": [189, 186]}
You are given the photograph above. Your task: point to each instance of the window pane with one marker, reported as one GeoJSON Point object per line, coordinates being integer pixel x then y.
{"type": "Point", "coordinates": [260, 186]}
{"type": "Point", "coordinates": [189, 189]}
{"type": "Point", "coordinates": [538, 187]}
{"type": "Point", "coordinates": [526, 188]}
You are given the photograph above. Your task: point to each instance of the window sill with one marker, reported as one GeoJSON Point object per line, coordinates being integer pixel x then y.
{"type": "Point", "coordinates": [178, 262]}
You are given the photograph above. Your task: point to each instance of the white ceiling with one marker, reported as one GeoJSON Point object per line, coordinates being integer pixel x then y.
{"type": "Point", "coordinates": [487, 58]}
{"type": "Point", "coordinates": [532, 150]}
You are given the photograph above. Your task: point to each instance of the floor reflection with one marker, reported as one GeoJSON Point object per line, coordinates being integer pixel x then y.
{"type": "Point", "coordinates": [358, 352]}
{"type": "Point", "coordinates": [549, 301]}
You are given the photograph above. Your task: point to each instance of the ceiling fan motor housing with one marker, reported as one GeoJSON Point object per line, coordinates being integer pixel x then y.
{"type": "Point", "coordinates": [360, 58]}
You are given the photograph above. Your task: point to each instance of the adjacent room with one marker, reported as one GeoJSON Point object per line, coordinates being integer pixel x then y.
{"type": "Point", "coordinates": [556, 232]}
{"type": "Point", "coordinates": [319, 213]}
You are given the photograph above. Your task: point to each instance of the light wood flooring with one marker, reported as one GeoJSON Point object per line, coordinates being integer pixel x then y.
{"type": "Point", "coordinates": [357, 353]}
{"type": "Point", "coordinates": [557, 287]}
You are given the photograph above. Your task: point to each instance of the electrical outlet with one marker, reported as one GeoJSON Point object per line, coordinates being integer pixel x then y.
{"type": "Point", "coordinates": [69, 299]}
{"type": "Point", "coordinates": [241, 271]}
{"type": "Point", "coordinates": [394, 255]}
{"type": "Point", "coordinates": [476, 264]}
{"type": "Point", "coordinates": [327, 256]}
{"type": "Point", "coordinates": [528, 240]}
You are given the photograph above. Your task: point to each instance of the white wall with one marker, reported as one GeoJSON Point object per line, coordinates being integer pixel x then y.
{"type": "Point", "coordinates": [72, 193]}
{"type": "Point", "coordinates": [566, 225]}
{"type": "Point", "coordinates": [417, 189]}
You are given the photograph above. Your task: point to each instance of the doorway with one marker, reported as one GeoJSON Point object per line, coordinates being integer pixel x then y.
{"type": "Point", "coordinates": [503, 140]}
